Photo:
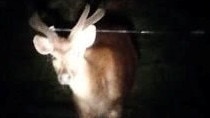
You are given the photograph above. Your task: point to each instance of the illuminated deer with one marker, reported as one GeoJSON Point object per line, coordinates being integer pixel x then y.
{"type": "Point", "coordinates": [98, 69]}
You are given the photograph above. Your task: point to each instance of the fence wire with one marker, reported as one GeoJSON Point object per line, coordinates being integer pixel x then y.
{"type": "Point", "coordinates": [195, 32]}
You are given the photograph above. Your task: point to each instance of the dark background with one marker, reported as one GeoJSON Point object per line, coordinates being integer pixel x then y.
{"type": "Point", "coordinates": [173, 69]}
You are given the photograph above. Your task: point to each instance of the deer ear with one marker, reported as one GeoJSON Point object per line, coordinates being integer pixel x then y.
{"type": "Point", "coordinates": [42, 45]}
{"type": "Point", "coordinates": [85, 38]}
{"type": "Point", "coordinates": [89, 35]}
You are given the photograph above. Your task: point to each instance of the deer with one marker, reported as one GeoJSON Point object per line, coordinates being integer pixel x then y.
{"type": "Point", "coordinates": [99, 68]}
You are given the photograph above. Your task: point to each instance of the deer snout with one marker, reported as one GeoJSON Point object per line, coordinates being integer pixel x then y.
{"type": "Point", "coordinates": [64, 79]}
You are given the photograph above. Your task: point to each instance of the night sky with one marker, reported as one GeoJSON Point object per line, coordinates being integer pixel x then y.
{"type": "Point", "coordinates": [173, 68]}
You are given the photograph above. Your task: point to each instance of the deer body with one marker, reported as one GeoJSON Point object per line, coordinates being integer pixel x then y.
{"type": "Point", "coordinates": [98, 68]}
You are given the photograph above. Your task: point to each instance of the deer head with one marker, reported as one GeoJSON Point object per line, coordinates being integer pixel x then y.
{"type": "Point", "coordinates": [82, 36]}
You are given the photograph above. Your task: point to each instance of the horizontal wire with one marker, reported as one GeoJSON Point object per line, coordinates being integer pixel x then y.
{"type": "Point", "coordinates": [196, 32]}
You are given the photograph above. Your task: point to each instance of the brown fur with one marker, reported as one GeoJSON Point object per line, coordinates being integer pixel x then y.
{"type": "Point", "coordinates": [111, 62]}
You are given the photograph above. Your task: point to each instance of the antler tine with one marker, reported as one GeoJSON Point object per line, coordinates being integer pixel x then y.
{"type": "Point", "coordinates": [81, 21]}
{"type": "Point", "coordinates": [99, 13]}
{"type": "Point", "coordinates": [37, 24]}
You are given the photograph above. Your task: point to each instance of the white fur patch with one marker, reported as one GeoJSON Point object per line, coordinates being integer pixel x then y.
{"type": "Point", "coordinates": [79, 83]}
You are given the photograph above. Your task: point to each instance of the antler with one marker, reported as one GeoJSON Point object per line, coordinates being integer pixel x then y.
{"type": "Point", "coordinates": [37, 24]}
{"type": "Point", "coordinates": [83, 22]}
{"type": "Point", "coordinates": [80, 22]}
{"type": "Point", "coordinates": [99, 13]}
